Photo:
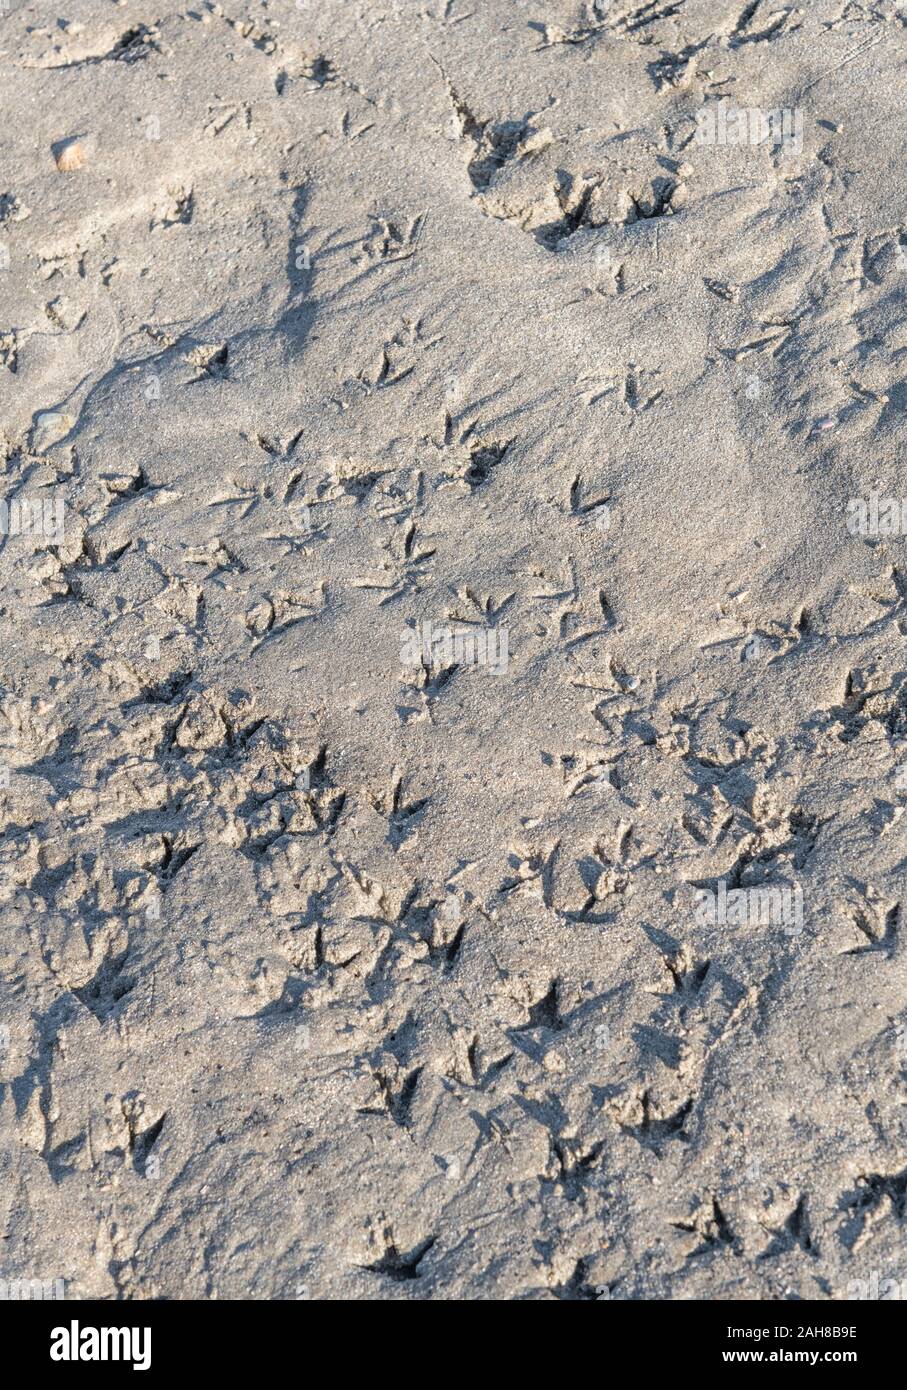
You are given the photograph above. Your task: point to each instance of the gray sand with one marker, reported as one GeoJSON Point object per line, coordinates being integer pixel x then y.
{"type": "Point", "coordinates": [454, 732]}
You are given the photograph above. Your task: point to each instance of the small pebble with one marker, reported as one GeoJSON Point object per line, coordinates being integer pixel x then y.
{"type": "Point", "coordinates": [69, 155]}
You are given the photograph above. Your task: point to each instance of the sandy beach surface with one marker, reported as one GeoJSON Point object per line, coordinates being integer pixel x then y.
{"type": "Point", "coordinates": [453, 698]}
